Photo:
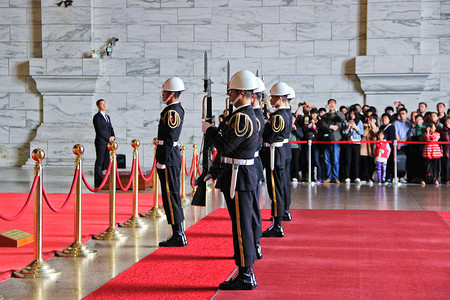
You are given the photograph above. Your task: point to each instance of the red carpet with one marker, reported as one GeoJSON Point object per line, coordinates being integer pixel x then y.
{"type": "Point", "coordinates": [191, 272]}
{"type": "Point", "coordinates": [95, 220]}
{"type": "Point", "coordinates": [344, 254]}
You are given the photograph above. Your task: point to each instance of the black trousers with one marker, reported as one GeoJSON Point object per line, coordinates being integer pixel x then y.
{"type": "Point", "coordinates": [352, 155]}
{"type": "Point", "coordinates": [241, 211]}
{"type": "Point", "coordinates": [170, 191]}
{"type": "Point", "coordinates": [367, 167]}
{"type": "Point", "coordinates": [287, 186]}
{"type": "Point", "coordinates": [101, 162]}
{"type": "Point", "coordinates": [445, 169]}
{"type": "Point", "coordinates": [256, 216]}
{"type": "Point", "coordinates": [276, 186]}
{"type": "Point", "coordinates": [295, 166]}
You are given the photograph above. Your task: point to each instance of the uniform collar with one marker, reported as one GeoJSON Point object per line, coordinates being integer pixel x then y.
{"type": "Point", "coordinates": [242, 106]}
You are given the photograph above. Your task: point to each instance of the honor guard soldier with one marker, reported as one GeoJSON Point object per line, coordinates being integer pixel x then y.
{"type": "Point", "coordinates": [257, 221]}
{"type": "Point", "coordinates": [275, 136]}
{"type": "Point", "coordinates": [287, 105]}
{"type": "Point", "coordinates": [168, 160]}
{"type": "Point", "coordinates": [237, 143]}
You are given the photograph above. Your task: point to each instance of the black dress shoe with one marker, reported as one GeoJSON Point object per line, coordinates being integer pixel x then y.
{"type": "Point", "coordinates": [175, 241]}
{"type": "Point", "coordinates": [258, 249]}
{"type": "Point", "coordinates": [243, 281]}
{"type": "Point", "coordinates": [274, 231]}
{"type": "Point", "coordinates": [287, 216]}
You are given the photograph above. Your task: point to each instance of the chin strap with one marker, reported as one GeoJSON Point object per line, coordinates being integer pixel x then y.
{"type": "Point", "coordinates": [168, 98]}
{"type": "Point", "coordinates": [236, 100]}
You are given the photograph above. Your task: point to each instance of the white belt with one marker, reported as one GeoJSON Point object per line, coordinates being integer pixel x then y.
{"type": "Point", "coordinates": [285, 141]}
{"type": "Point", "coordinates": [237, 161]}
{"type": "Point", "coordinates": [256, 154]}
{"type": "Point", "coordinates": [161, 142]}
{"type": "Point", "coordinates": [276, 144]}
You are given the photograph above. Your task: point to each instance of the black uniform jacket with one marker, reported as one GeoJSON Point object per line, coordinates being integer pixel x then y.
{"type": "Point", "coordinates": [103, 129]}
{"type": "Point", "coordinates": [237, 139]}
{"type": "Point", "coordinates": [276, 130]}
{"type": "Point", "coordinates": [169, 130]}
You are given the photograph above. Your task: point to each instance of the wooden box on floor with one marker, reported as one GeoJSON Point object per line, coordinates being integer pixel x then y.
{"type": "Point", "coordinates": [15, 238]}
{"type": "Point", "coordinates": [125, 177]}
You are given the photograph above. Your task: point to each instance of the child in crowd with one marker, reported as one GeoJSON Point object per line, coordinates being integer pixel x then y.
{"type": "Point", "coordinates": [445, 160]}
{"type": "Point", "coordinates": [382, 152]}
{"type": "Point", "coordinates": [431, 154]}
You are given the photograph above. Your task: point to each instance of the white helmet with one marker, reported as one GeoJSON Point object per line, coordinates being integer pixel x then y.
{"type": "Point", "coordinates": [261, 87]}
{"type": "Point", "coordinates": [243, 80]}
{"type": "Point", "coordinates": [291, 94]}
{"type": "Point", "coordinates": [173, 84]}
{"type": "Point", "coordinates": [280, 89]}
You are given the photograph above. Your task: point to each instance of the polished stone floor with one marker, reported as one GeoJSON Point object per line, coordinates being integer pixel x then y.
{"type": "Point", "coordinates": [81, 276]}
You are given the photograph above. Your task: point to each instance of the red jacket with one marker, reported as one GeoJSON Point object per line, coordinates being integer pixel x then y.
{"type": "Point", "coordinates": [432, 151]}
{"type": "Point", "coordinates": [382, 146]}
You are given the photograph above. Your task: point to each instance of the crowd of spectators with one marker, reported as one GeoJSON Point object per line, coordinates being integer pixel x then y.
{"type": "Point", "coordinates": [368, 162]}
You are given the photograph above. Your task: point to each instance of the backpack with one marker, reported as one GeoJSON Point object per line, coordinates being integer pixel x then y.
{"type": "Point", "coordinates": [430, 173]}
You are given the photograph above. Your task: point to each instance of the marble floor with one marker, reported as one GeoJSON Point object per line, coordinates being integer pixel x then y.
{"type": "Point", "coordinates": [81, 276]}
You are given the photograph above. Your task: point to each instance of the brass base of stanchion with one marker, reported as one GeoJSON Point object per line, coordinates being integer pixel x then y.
{"type": "Point", "coordinates": [110, 234]}
{"type": "Point", "coordinates": [155, 212]}
{"type": "Point", "coordinates": [37, 269]}
{"type": "Point", "coordinates": [134, 222]}
{"type": "Point", "coordinates": [76, 249]}
{"type": "Point", "coordinates": [186, 199]}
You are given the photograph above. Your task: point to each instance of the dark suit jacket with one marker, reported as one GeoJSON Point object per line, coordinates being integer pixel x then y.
{"type": "Point", "coordinates": [103, 130]}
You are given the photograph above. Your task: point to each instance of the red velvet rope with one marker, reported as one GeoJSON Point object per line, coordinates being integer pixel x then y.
{"type": "Point", "coordinates": [189, 174]}
{"type": "Point", "coordinates": [146, 179]}
{"type": "Point", "coordinates": [103, 182]}
{"type": "Point", "coordinates": [371, 142]}
{"type": "Point", "coordinates": [25, 206]}
{"type": "Point", "coordinates": [69, 196]}
{"type": "Point", "coordinates": [130, 180]}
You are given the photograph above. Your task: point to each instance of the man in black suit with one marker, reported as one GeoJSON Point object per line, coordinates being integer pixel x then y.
{"type": "Point", "coordinates": [104, 133]}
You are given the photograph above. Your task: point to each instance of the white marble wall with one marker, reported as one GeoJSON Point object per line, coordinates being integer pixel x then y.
{"type": "Point", "coordinates": [318, 47]}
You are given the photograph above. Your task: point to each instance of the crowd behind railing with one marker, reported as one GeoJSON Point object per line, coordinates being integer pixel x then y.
{"type": "Point", "coordinates": [347, 144]}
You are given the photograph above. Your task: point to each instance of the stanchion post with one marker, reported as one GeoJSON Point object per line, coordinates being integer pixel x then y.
{"type": "Point", "coordinates": [38, 268]}
{"type": "Point", "coordinates": [112, 233]}
{"type": "Point", "coordinates": [195, 168]}
{"type": "Point", "coordinates": [395, 181]}
{"type": "Point", "coordinates": [77, 248]}
{"type": "Point", "coordinates": [155, 211]}
{"type": "Point", "coordinates": [309, 161]}
{"type": "Point", "coordinates": [185, 199]}
{"type": "Point", "coordinates": [135, 221]}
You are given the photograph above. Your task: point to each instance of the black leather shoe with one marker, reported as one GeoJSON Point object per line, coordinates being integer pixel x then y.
{"type": "Point", "coordinates": [274, 231]}
{"type": "Point", "coordinates": [243, 281]}
{"type": "Point", "coordinates": [258, 249]}
{"type": "Point", "coordinates": [287, 216]}
{"type": "Point", "coordinates": [174, 241]}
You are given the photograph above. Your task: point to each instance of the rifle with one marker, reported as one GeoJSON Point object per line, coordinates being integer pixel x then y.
{"type": "Point", "coordinates": [199, 198]}
{"type": "Point", "coordinates": [265, 106]}
{"type": "Point", "coordinates": [228, 106]}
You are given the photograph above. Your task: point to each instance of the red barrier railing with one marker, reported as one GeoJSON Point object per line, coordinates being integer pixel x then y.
{"type": "Point", "coordinates": [146, 179]}
{"type": "Point", "coordinates": [25, 206]}
{"type": "Point", "coordinates": [69, 196]}
{"type": "Point", "coordinates": [105, 178]}
{"type": "Point", "coordinates": [124, 189]}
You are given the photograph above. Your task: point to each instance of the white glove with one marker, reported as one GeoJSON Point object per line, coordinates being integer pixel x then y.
{"type": "Point", "coordinates": [205, 126]}
{"type": "Point", "coordinates": [207, 177]}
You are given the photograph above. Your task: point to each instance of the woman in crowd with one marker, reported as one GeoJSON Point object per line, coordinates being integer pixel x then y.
{"type": "Point", "coordinates": [310, 129]}
{"type": "Point", "coordinates": [445, 160]}
{"type": "Point", "coordinates": [352, 130]}
{"type": "Point", "coordinates": [367, 154]}
{"type": "Point", "coordinates": [415, 151]}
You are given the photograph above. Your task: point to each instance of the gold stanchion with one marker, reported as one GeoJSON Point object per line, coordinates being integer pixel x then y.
{"type": "Point", "coordinates": [38, 268]}
{"type": "Point", "coordinates": [112, 233]}
{"type": "Point", "coordinates": [155, 211]}
{"type": "Point", "coordinates": [135, 221]}
{"type": "Point", "coordinates": [77, 248]}
{"type": "Point", "coordinates": [184, 199]}
{"type": "Point", "coordinates": [191, 194]}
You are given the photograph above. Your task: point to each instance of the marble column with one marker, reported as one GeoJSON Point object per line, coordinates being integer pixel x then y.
{"type": "Point", "coordinates": [67, 87]}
